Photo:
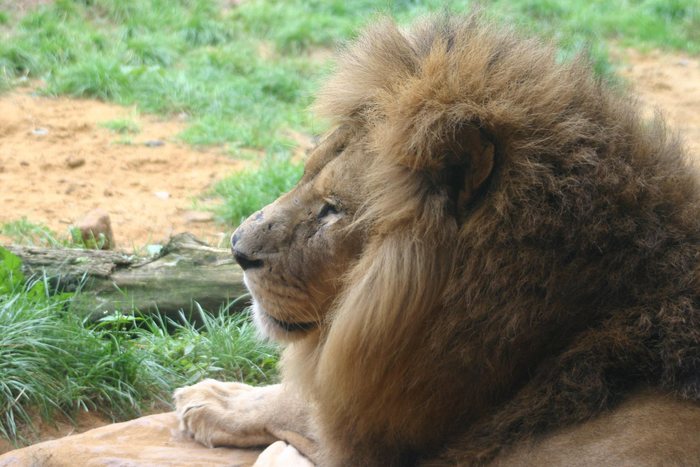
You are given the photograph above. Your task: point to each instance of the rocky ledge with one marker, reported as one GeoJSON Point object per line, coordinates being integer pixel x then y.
{"type": "Point", "coordinates": [154, 440]}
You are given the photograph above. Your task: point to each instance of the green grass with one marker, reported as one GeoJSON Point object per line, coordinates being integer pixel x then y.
{"type": "Point", "coordinates": [26, 232]}
{"type": "Point", "coordinates": [224, 346]}
{"type": "Point", "coordinates": [245, 75]}
{"type": "Point", "coordinates": [53, 362]}
{"type": "Point", "coordinates": [122, 126]}
{"type": "Point", "coordinates": [250, 189]}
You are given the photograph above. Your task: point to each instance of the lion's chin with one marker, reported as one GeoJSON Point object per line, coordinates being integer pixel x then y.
{"type": "Point", "coordinates": [275, 328]}
{"type": "Point", "coordinates": [279, 330]}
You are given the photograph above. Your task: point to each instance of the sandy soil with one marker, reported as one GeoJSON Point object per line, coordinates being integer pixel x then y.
{"type": "Point", "coordinates": [57, 163]}
{"type": "Point", "coordinates": [671, 84]}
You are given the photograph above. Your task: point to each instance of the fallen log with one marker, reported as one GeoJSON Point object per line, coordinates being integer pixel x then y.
{"type": "Point", "coordinates": [184, 272]}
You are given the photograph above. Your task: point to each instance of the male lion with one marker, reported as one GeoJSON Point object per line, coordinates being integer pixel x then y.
{"type": "Point", "coordinates": [491, 258]}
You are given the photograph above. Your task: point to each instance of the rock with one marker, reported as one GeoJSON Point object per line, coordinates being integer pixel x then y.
{"type": "Point", "coordinates": [96, 229]}
{"type": "Point", "coordinates": [154, 143]}
{"type": "Point", "coordinates": [162, 195]}
{"type": "Point", "coordinates": [146, 441]}
{"type": "Point", "coordinates": [73, 162]}
{"type": "Point", "coordinates": [40, 131]}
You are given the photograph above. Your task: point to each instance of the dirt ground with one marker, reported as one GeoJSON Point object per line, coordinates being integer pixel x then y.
{"type": "Point", "coordinates": [57, 161]}
{"type": "Point", "coordinates": [669, 83]}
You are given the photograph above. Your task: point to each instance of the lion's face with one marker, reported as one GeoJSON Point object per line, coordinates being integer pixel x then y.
{"type": "Point", "coordinates": [295, 251]}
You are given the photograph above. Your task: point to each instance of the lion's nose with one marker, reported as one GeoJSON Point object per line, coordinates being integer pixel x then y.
{"type": "Point", "coordinates": [241, 243]}
{"type": "Point", "coordinates": [235, 237]}
{"type": "Point", "coordinates": [246, 261]}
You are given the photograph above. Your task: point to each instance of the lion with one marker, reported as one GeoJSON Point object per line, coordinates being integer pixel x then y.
{"type": "Point", "coordinates": [490, 258]}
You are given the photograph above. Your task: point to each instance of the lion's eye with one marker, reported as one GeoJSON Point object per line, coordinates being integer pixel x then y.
{"type": "Point", "coordinates": [327, 209]}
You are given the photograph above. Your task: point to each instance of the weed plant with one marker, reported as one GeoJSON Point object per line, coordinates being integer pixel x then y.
{"type": "Point", "coordinates": [25, 232]}
{"type": "Point", "coordinates": [52, 361]}
{"type": "Point", "coordinates": [122, 126]}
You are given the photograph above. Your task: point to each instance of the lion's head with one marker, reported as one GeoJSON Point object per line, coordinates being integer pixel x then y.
{"type": "Point", "coordinates": [296, 251]}
{"type": "Point", "coordinates": [483, 222]}
{"type": "Point", "coordinates": [402, 178]}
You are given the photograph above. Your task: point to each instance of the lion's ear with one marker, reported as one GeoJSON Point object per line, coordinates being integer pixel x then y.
{"type": "Point", "coordinates": [473, 155]}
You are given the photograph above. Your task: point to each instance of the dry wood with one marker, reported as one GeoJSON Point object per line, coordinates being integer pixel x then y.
{"type": "Point", "coordinates": [186, 271]}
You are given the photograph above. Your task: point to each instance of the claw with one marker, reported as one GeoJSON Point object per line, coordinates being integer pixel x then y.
{"type": "Point", "coordinates": [192, 406]}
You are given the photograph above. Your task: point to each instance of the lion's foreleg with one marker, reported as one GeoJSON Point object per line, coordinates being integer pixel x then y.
{"type": "Point", "coordinates": [234, 414]}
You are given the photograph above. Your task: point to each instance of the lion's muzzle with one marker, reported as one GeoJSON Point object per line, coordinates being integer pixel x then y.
{"type": "Point", "coordinates": [244, 261]}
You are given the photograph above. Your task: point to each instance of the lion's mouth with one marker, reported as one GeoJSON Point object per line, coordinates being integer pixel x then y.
{"type": "Point", "coordinates": [292, 327]}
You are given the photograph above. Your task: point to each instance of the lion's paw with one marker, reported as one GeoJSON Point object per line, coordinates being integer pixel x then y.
{"type": "Point", "coordinates": [215, 413]}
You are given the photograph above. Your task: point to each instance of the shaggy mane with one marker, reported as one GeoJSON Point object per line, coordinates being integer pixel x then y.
{"type": "Point", "coordinates": [568, 280]}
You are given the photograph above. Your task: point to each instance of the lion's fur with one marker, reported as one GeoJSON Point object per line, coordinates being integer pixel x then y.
{"type": "Point", "coordinates": [570, 280]}
{"type": "Point", "coordinates": [512, 250]}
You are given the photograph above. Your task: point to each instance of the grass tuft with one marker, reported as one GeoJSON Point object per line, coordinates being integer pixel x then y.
{"type": "Point", "coordinates": [100, 77]}
{"type": "Point", "coordinates": [253, 188]}
{"type": "Point", "coordinates": [51, 361]}
{"type": "Point", "coordinates": [25, 232]}
{"type": "Point", "coordinates": [122, 126]}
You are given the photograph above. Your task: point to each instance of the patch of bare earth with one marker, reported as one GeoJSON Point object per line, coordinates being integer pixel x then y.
{"type": "Point", "coordinates": [57, 162]}
{"type": "Point", "coordinates": [670, 83]}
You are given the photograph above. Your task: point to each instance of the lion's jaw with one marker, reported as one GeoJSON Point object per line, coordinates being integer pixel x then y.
{"type": "Point", "coordinates": [295, 251]}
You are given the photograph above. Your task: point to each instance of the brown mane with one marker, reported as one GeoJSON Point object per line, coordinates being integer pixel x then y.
{"type": "Point", "coordinates": [568, 281]}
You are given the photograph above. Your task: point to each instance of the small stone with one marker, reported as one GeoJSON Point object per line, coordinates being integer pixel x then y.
{"type": "Point", "coordinates": [154, 143]}
{"type": "Point", "coordinates": [24, 163]}
{"type": "Point", "coordinates": [73, 162]}
{"type": "Point", "coordinates": [162, 194]}
{"type": "Point", "coordinates": [197, 216]}
{"type": "Point", "coordinates": [661, 86]}
{"type": "Point", "coordinates": [96, 230]}
{"type": "Point", "coordinates": [154, 249]}
{"type": "Point", "coordinates": [683, 62]}
{"type": "Point", "coordinates": [108, 193]}
{"type": "Point", "coordinates": [40, 131]}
